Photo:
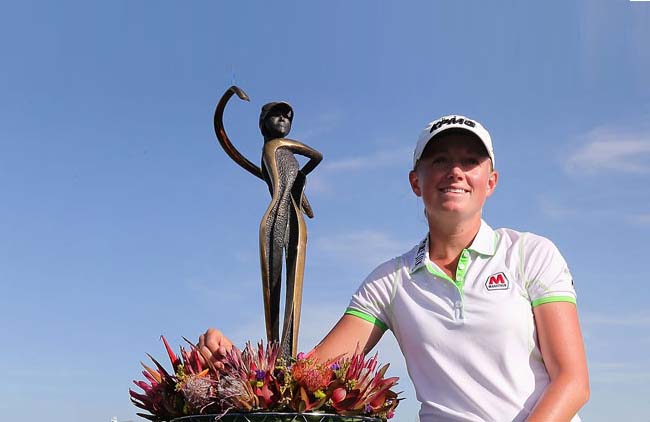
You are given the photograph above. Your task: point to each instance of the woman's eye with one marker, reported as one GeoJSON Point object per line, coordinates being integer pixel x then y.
{"type": "Point", "coordinates": [470, 162]}
{"type": "Point", "coordinates": [439, 161]}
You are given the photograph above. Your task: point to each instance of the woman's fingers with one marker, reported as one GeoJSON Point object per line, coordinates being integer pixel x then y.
{"type": "Point", "coordinates": [214, 346]}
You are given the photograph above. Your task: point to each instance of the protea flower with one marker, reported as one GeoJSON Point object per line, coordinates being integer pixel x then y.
{"type": "Point", "coordinates": [249, 378]}
{"type": "Point", "coordinates": [311, 375]}
{"type": "Point", "coordinates": [312, 379]}
{"type": "Point", "coordinates": [160, 397]}
{"type": "Point", "coordinates": [236, 393]}
{"type": "Point", "coordinates": [189, 389]}
{"type": "Point", "coordinates": [362, 390]}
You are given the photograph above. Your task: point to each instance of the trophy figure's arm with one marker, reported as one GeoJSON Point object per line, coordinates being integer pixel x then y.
{"type": "Point", "coordinates": [315, 158]}
{"type": "Point", "coordinates": [306, 206]}
{"type": "Point", "coordinates": [222, 136]}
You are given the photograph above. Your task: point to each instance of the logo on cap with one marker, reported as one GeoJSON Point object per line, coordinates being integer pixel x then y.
{"type": "Point", "coordinates": [451, 121]}
{"type": "Point", "coordinates": [497, 281]}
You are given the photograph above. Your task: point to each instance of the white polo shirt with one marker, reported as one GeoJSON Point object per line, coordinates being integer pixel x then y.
{"type": "Point", "coordinates": [470, 345]}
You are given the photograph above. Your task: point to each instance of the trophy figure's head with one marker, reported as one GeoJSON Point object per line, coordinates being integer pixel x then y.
{"type": "Point", "coordinates": [275, 120]}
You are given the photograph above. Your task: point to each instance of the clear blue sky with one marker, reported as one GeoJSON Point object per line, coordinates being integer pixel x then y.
{"type": "Point", "coordinates": [122, 219]}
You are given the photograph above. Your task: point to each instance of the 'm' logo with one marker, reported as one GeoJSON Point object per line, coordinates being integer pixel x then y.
{"type": "Point", "coordinates": [497, 281]}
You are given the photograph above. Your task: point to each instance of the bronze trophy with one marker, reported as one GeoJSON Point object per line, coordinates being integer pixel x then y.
{"type": "Point", "coordinates": [283, 232]}
{"type": "Point", "coordinates": [251, 386]}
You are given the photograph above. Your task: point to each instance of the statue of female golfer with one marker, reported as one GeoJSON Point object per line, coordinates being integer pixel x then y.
{"type": "Point", "coordinates": [282, 229]}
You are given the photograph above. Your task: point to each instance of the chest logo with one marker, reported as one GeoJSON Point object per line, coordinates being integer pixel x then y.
{"type": "Point", "coordinates": [497, 281]}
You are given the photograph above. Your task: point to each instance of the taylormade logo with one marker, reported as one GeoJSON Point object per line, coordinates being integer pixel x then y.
{"type": "Point", "coordinates": [419, 255]}
{"type": "Point", "coordinates": [451, 121]}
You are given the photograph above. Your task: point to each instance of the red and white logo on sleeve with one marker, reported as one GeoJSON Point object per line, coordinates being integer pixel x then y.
{"type": "Point", "coordinates": [497, 281]}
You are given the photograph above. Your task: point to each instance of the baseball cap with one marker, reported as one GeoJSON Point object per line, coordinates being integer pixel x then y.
{"type": "Point", "coordinates": [455, 122]}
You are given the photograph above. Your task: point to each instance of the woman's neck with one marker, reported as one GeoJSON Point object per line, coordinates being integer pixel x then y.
{"type": "Point", "coordinates": [447, 241]}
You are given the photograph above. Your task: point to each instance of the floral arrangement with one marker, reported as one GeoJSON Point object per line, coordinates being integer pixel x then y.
{"type": "Point", "coordinates": [255, 379]}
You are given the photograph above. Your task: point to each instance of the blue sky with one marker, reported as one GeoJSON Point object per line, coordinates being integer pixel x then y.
{"type": "Point", "coordinates": [122, 219]}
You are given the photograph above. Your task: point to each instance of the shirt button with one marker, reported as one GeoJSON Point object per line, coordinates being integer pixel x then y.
{"type": "Point", "coordinates": [461, 266]}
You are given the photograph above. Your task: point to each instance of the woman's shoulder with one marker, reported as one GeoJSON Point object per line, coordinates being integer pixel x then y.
{"type": "Point", "coordinates": [523, 239]}
{"type": "Point", "coordinates": [530, 248]}
{"type": "Point", "coordinates": [403, 262]}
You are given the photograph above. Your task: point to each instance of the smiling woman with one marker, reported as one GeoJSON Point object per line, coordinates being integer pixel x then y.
{"type": "Point", "coordinates": [486, 318]}
{"type": "Point", "coordinates": [453, 176]}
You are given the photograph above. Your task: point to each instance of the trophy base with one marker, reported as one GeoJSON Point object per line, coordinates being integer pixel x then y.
{"type": "Point", "coordinates": [276, 417]}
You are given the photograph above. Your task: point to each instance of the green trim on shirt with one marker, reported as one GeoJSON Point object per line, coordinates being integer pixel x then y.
{"type": "Point", "coordinates": [379, 323]}
{"type": "Point", "coordinates": [433, 270]}
{"type": "Point", "coordinates": [461, 270]}
{"type": "Point", "coordinates": [550, 299]}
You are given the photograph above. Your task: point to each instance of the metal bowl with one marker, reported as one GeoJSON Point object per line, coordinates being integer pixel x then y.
{"type": "Point", "coordinates": [276, 417]}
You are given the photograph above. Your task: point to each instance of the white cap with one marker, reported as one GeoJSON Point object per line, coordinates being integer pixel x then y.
{"type": "Point", "coordinates": [446, 123]}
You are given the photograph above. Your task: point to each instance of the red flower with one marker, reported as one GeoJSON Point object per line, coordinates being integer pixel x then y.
{"type": "Point", "coordinates": [311, 375]}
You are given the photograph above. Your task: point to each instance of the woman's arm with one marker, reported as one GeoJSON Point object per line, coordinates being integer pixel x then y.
{"type": "Point", "coordinates": [560, 340]}
{"type": "Point", "coordinates": [349, 335]}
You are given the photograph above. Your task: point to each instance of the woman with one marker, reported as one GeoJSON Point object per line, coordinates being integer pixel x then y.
{"type": "Point", "coordinates": [486, 319]}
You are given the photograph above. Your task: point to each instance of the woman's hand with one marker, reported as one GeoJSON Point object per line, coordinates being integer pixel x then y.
{"type": "Point", "coordinates": [213, 346]}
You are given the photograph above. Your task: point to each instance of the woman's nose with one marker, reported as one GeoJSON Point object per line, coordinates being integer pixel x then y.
{"type": "Point", "coordinates": [455, 169]}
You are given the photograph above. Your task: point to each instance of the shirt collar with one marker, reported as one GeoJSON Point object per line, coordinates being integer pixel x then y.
{"type": "Point", "coordinates": [484, 243]}
{"type": "Point", "coordinates": [421, 254]}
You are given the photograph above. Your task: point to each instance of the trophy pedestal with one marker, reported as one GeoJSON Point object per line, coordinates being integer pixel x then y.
{"type": "Point", "coordinates": [276, 417]}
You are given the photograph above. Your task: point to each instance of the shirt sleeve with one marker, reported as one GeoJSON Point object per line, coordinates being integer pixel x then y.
{"type": "Point", "coordinates": [372, 299]}
{"type": "Point", "coordinates": [548, 278]}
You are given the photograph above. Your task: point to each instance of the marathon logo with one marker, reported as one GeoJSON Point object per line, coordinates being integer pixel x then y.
{"type": "Point", "coordinates": [419, 255]}
{"type": "Point", "coordinates": [497, 281]}
{"type": "Point", "coordinates": [451, 121]}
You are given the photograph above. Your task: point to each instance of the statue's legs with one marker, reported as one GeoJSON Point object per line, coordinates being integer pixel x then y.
{"type": "Point", "coordinates": [295, 257]}
{"type": "Point", "coordinates": [273, 237]}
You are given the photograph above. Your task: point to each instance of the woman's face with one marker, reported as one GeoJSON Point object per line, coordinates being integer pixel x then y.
{"type": "Point", "coordinates": [454, 177]}
{"type": "Point", "coordinates": [277, 123]}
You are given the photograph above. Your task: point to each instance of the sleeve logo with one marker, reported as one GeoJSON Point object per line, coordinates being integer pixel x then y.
{"type": "Point", "coordinates": [497, 281]}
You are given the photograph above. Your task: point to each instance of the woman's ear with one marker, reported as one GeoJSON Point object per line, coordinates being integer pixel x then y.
{"type": "Point", "coordinates": [415, 183]}
{"type": "Point", "coordinates": [492, 182]}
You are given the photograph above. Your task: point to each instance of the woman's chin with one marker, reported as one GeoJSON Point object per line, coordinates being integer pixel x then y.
{"type": "Point", "coordinates": [452, 213]}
